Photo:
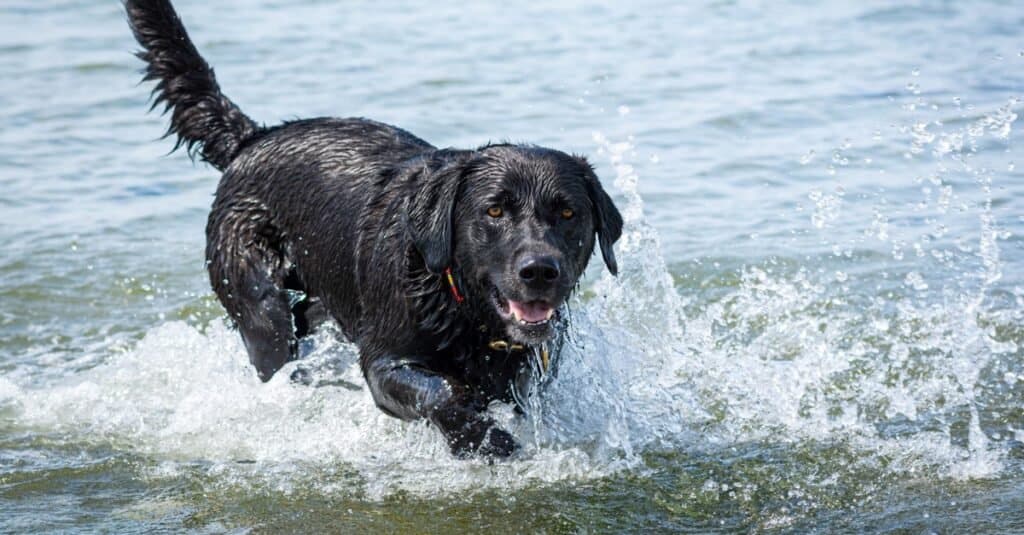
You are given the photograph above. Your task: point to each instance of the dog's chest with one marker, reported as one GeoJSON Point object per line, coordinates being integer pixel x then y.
{"type": "Point", "coordinates": [495, 373]}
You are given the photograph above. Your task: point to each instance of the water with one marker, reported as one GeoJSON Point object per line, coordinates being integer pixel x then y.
{"type": "Point", "coordinates": [817, 327]}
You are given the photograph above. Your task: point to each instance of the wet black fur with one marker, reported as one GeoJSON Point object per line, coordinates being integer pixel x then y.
{"type": "Point", "coordinates": [355, 220]}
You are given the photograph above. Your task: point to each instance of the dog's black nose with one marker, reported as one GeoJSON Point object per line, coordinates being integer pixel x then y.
{"type": "Point", "coordinates": [538, 270]}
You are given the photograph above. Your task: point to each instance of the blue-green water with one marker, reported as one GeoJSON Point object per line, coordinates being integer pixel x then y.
{"type": "Point", "coordinates": [819, 326]}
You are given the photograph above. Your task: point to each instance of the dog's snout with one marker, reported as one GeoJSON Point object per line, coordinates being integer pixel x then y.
{"type": "Point", "coordinates": [539, 270]}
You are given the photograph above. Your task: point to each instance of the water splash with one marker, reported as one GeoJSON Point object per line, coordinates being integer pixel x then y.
{"type": "Point", "coordinates": [778, 352]}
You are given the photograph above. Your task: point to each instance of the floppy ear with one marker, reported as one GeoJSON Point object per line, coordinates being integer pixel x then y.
{"type": "Point", "coordinates": [430, 207]}
{"type": "Point", "coordinates": [607, 219]}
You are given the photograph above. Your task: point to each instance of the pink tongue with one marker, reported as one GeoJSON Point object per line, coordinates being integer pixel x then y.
{"type": "Point", "coordinates": [532, 312]}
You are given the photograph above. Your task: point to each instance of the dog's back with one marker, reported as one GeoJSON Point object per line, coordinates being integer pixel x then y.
{"type": "Point", "coordinates": [315, 190]}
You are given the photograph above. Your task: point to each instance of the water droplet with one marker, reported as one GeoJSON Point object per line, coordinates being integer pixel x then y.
{"type": "Point", "coordinates": [806, 158]}
{"type": "Point", "coordinates": [915, 72]}
{"type": "Point", "coordinates": [916, 281]}
{"type": "Point", "coordinates": [826, 208]}
{"type": "Point", "coordinates": [295, 297]}
{"type": "Point", "coordinates": [623, 111]}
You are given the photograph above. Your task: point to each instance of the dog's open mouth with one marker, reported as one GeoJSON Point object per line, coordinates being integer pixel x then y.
{"type": "Point", "coordinates": [529, 318]}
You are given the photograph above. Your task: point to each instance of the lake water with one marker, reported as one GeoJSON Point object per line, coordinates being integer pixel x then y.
{"type": "Point", "coordinates": [818, 327]}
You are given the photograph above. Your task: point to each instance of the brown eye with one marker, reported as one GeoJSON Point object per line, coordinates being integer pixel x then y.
{"type": "Point", "coordinates": [495, 211]}
{"type": "Point", "coordinates": [567, 213]}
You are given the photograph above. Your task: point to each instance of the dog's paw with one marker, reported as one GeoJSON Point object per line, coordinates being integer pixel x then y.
{"type": "Point", "coordinates": [498, 443]}
{"type": "Point", "coordinates": [482, 438]}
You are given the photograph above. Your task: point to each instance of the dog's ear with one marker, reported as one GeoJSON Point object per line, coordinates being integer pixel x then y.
{"type": "Point", "coordinates": [607, 219]}
{"type": "Point", "coordinates": [430, 207]}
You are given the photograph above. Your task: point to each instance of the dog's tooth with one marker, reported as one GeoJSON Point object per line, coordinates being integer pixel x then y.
{"type": "Point", "coordinates": [551, 312]}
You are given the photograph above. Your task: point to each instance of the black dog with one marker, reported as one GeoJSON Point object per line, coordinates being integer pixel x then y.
{"type": "Point", "coordinates": [446, 267]}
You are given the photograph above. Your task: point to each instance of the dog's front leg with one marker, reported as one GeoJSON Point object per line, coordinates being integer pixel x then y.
{"type": "Point", "coordinates": [407, 390]}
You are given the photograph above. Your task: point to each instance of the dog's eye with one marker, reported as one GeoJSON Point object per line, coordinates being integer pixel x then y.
{"type": "Point", "coordinates": [495, 211]}
{"type": "Point", "coordinates": [567, 213]}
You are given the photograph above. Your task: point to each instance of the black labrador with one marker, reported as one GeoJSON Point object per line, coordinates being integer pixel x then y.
{"type": "Point", "coordinates": [446, 267]}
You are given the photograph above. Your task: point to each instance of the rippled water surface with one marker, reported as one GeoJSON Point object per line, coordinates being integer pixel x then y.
{"type": "Point", "coordinates": [819, 324]}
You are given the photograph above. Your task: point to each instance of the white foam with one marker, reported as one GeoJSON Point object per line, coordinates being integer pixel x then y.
{"type": "Point", "coordinates": [182, 395]}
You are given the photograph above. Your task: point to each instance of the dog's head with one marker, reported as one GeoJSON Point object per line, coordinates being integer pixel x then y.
{"type": "Point", "coordinates": [518, 225]}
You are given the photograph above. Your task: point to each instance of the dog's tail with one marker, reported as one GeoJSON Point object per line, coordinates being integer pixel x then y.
{"type": "Point", "coordinates": [204, 120]}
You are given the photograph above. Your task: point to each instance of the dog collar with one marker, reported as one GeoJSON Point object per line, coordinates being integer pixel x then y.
{"type": "Point", "coordinates": [451, 284]}
{"type": "Point", "coordinates": [502, 345]}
